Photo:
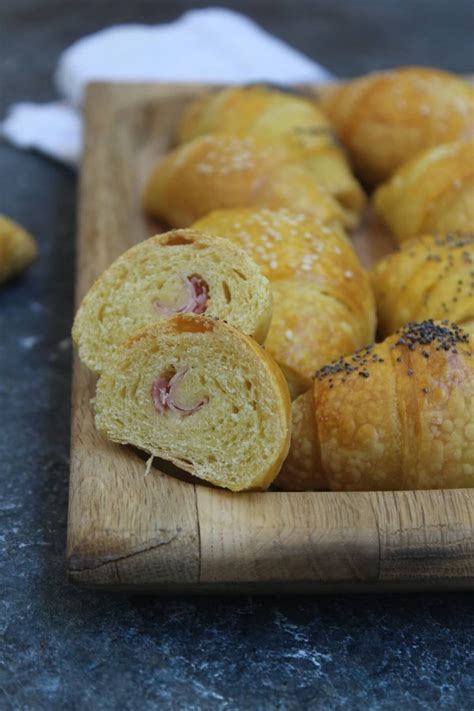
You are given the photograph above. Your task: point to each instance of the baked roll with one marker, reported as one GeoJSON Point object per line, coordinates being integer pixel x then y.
{"type": "Point", "coordinates": [397, 415]}
{"type": "Point", "coordinates": [429, 277]}
{"type": "Point", "coordinates": [433, 193]}
{"type": "Point", "coordinates": [322, 300]}
{"type": "Point", "coordinates": [184, 271]}
{"type": "Point", "coordinates": [220, 171]}
{"type": "Point", "coordinates": [17, 249]}
{"type": "Point", "coordinates": [257, 110]}
{"type": "Point", "coordinates": [385, 118]}
{"type": "Point", "coordinates": [294, 122]}
{"type": "Point", "coordinates": [197, 392]}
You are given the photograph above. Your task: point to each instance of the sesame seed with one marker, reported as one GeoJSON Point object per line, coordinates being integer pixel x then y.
{"type": "Point", "coordinates": [204, 168]}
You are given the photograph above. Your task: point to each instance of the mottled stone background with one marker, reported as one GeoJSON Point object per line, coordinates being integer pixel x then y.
{"type": "Point", "coordinates": [67, 649]}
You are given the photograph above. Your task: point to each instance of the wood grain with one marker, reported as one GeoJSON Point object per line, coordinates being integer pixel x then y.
{"type": "Point", "coordinates": [128, 531]}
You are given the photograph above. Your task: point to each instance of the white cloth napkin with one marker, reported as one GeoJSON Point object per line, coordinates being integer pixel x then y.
{"type": "Point", "coordinates": [213, 45]}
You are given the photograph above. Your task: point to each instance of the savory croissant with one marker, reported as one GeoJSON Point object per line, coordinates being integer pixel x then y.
{"type": "Point", "coordinates": [396, 415]}
{"type": "Point", "coordinates": [17, 249]}
{"type": "Point", "coordinates": [220, 171]}
{"type": "Point", "coordinates": [385, 118]}
{"type": "Point", "coordinates": [323, 305]}
{"type": "Point", "coordinates": [256, 110]}
{"type": "Point", "coordinates": [183, 271]}
{"type": "Point", "coordinates": [293, 122]}
{"type": "Point", "coordinates": [433, 193]}
{"type": "Point", "coordinates": [429, 277]}
{"type": "Point", "coordinates": [199, 393]}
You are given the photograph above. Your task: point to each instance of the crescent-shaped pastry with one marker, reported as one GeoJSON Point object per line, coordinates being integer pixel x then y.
{"type": "Point", "coordinates": [219, 171]}
{"type": "Point", "coordinates": [323, 305]}
{"type": "Point", "coordinates": [258, 110]}
{"type": "Point", "coordinates": [433, 193]}
{"type": "Point", "coordinates": [396, 415]}
{"type": "Point", "coordinates": [384, 119]}
{"type": "Point", "coordinates": [429, 277]}
{"type": "Point", "coordinates": [293, 122]}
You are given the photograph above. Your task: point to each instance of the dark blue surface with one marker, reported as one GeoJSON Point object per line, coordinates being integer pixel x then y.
{"type": "Point", "coordinates": [63, 648]}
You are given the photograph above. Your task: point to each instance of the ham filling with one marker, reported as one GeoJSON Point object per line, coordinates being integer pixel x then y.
{"type": "Point", "coordinates": [197, 294]}
{"type": "Point", "coordinates": [164, 396]}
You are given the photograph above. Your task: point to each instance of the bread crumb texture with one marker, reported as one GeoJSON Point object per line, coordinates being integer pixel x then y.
{"type": "Point", "coordinates": [184, 271]}
{"type": "Point", "coordinates": [199, 393]}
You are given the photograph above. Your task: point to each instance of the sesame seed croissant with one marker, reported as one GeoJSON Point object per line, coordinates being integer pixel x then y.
{"type": "Point", "coordinates": [385, 118]}
{"type": "Point", "coordinates": [429, 277]}
{"type": "Point", "coordinates": [197, 392]}
{"type": "Point", "coordinates": [293, 122]}
{"type": "Point", "coordinates": [323, 305]}
{"type": "Point", "coordinates": [396, 415]}
{"type": "Point", "coordinates": [221, 171]}
{"type": "Point", "coordinates": [433, 193]}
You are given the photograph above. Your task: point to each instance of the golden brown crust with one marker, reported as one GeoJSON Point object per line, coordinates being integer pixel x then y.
{"type": "Point", "coordinates": [17, 249]}
{"type": "Point", "coordinates": [294, 122]}
{"type": "Point", "coordinates": [254, 110]}
{"type": "Point", "coordinates": [432, 193]}
{"type": "Point", "coordinates": [398, 415]}
{"type": "Point", "coordinates": [322, 300]}
{"type": "Point", "coordinates": [385, 118]}
{"type": "Point", "coordinates": [429, 277]}
{"type": "Point", "coordinates": [219, 171]}
{"type": "Point", "coordinates": [303, 470]}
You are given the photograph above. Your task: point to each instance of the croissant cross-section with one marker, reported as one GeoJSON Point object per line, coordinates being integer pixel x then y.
{"type": "Point", "coordinates": [197, 392]}
{"type": "Point", "coordinates": [184, 271]}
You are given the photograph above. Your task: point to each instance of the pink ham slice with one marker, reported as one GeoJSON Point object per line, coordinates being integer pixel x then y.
{"type": "Point", "coordinates": [197, 296]}
{"type": "Point", "coordinates": [163, 396]}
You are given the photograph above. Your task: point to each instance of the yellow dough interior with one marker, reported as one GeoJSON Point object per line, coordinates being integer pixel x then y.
{"type": "Point", "coordinates": [153, 281]}
{"type": "Point", "coordinates": [233, 439]}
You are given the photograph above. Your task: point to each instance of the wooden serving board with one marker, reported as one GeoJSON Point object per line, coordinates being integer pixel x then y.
{"type": "Point", "coordinates": [128, 531]}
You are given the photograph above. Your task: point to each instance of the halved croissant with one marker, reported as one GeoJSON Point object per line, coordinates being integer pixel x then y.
{"type": "Point", "coordinates": [184, 271]}
{"type": "Point", "coordinates": [385, 118]}
{"type": "Point", "coordinates": [429, 277]}
{"type": "Point", "coordinates": [397, 415]}
{"type": "Point", "coordinates": [294, 122]}
{"type": "Point", "coordinates": [199, 393]}
{"type": "Point", "coordinates": [433, 193]}
{"type": "Point", "coordinates": [17, 249]}
{"type": "Point", "coordinates": [322, 300]}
